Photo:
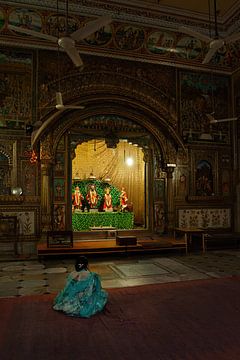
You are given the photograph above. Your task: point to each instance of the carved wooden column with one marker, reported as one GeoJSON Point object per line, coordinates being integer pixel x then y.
{"type": "Point", "coordinates": [46, 157]}
{"type": "Point", "coordinates": [170, 199]}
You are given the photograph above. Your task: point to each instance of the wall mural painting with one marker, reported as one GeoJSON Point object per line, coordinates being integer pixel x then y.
{"type": "Point", "coordinates": [56, 25]}
{"type": "Point", "coordinates": [59, 217]}
{"type": "Point", "coordinates": [2, 20]}
{"type": "Point", "coordinates": [159, 217]}
{"type": "Point", "coordinates": [59, 189]}
{"type": "Point", "coordinates": [203, 94]}
{"type": "Point", "coordinates": [160, 43]}
{"type": "Point", "coordinates": [29, 175]}
{"type": "Point", "coordinates": [100, 37]}
{"type": "Point", "coordinates": [59, 165]}
{"type": "Point", "coordinates": [226, 182]}
{"type": "Point", "coordinates": [26, 18]}
{"type": "Point", "coordinates": [204, 179]}
{"type": "Point", "coordinates": [232, 55]}
{"type": "Point", "coordinates": [188, 48]}
{"type": "Point", "coordinates": [129, 37]}
{"type": "Point", "coordinates": [5, 175]}
{"type": "Point", "coordinates": [26, 221]}
{"type": "Point", "coordinates": [15, 89]}
{"type": "Point", "coordinates": [204, 218]}
{"type": "Point", "coordinates": [61, 144]}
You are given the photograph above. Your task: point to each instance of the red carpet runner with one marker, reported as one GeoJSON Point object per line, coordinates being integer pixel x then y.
{"type": "Point", "coordinates": [175, 321]}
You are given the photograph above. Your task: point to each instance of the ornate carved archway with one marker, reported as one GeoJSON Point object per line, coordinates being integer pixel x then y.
{"type": "Point", "coordinates": [106, 93]}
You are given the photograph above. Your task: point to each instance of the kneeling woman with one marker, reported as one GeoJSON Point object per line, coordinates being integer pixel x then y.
{"type": "Point", "coordinates": [82, 295]}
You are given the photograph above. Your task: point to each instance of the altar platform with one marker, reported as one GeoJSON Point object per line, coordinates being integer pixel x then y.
{"type": "Point", "coordinates": [101, 246]}
{"type": "Point", "coordinates": [84, 221]}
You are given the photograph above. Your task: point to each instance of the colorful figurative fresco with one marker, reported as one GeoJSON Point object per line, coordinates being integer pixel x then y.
{"type": "Point", "coordinates": [203, 94]}
{"type": "Point", "coordinates": [59, 189]}
{"type": "Point", "coordinates": [15, 89]}
{"type": "Point", "coordinates": [100, 37]}
{"type": "Point", "coordinates": [26, 18]}
{"type": "Point", "coordinates": [56, 25]}
{"type": "Point", "coordinates": [160, 42]}
{"type": "Point", "coordinates": [204, 179]}
{"type": "Point", "coordinates": [129, 37]}
{"type": "Point", "coordinates": [59, 165]}
{"type": "Point", "coordinates": [59, 217]}
{"type": "Point", "coordinates": [2, 20]}
{"type": "Point", "coordinates": [188, 48]}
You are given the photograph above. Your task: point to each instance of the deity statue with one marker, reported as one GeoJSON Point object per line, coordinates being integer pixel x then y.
{"type": "Point", "coordinates": [123, 200]}
{"type": "Point", "coordinates": [107, 205]}
{"type": "Point", "coordinates": [92, 197]}
{"type": "Point", "coordinates": [77, 198]}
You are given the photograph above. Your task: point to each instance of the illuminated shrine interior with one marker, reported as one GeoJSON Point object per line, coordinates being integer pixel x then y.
{"type": "Point", "coordinates": [135, 128]}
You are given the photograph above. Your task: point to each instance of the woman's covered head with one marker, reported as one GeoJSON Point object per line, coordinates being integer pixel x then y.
{"type": "Point", "coordinates": [81, 263]}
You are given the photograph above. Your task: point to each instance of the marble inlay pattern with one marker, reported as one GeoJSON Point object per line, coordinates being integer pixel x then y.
{"type": "Point", "coordinates": [20, 278]}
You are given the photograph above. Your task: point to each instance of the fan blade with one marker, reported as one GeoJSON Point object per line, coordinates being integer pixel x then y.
{"type": "Point", "coordinates": [90, 28]}
{"type": "Point", "coordinates": [232, 38]}
{"type": "Point", "coordinates": [59, 100]}
{"type": "Point", "coordinates": [74, 107]}
{"type": "Point", "coordinates": [215, 121]}
{"type": "Point", "coordinates": [68, 45]}
{"type": "Point", "coordinates": [211, 52]}
{"type": "Point", "coordinates": [168, 49]}
{"type": "Point", "coordinates": [33, 33]}
{"type": "Point", "coordinates": [195, 34]}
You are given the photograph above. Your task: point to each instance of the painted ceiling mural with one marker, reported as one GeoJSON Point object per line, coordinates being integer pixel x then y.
{"type": "Point", "coordinates": [141, 42]}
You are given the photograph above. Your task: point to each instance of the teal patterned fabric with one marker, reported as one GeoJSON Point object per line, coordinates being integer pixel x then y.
{"type": "Point", "coordinates": [120, 220]}
{"type": "Point", "coordinates": [82, 295]}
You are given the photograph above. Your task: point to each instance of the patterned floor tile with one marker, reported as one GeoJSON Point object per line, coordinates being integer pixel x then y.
{"type": "Point", "coordinates": [136, 270]}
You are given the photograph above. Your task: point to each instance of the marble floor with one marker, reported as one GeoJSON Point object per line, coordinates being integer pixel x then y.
{"type": "Point", "coordinates": [29, 277]}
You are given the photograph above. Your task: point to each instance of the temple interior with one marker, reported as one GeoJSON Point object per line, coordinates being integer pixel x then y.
{"type": "Point", "coordinates": [132, 131]}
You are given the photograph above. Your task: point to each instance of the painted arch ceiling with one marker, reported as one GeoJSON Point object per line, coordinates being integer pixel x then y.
{"type": "Point", "coordinates": [142, 30]}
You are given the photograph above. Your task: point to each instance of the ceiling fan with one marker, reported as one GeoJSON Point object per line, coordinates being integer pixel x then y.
{"type": "Point", "coordinates": [59, 105]}
{"type": "Point", "coordinates": [215, 43]}
{"type": "Point", "coordinates": [68, 42]}
{"type": "Point", "coordinates": [212, 120]}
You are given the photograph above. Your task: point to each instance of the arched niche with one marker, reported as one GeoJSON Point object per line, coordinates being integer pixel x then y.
{"type": "Point", "coordinates": [140, 108]}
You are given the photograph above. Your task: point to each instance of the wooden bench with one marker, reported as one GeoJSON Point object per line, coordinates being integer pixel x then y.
{"type": "Point", "coordinates": [218, 239]}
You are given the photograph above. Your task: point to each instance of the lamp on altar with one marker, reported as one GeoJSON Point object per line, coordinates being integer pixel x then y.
{"type": "Point", "coordinates": [129, 161]}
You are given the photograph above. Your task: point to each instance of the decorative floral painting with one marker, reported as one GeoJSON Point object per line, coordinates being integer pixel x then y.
{"type": "Point", "coordinates": [204, 218]}
{"type": "Point", "coordinates": [29, 177]}
{"type": "Point", "coordinates": [26, 221]}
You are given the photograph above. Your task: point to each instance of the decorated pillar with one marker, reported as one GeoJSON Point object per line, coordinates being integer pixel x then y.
{"type": "Point", "coordinates": [170, 199]}
{"type": "Point", "coordinates": [46, 158]}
